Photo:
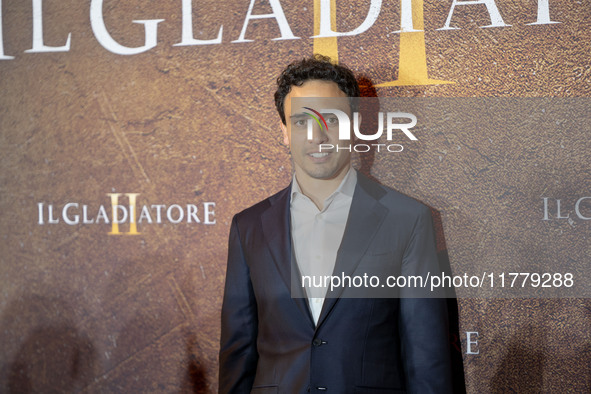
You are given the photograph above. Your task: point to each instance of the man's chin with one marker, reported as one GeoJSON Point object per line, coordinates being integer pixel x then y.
{"type": "Point", "coordinates": [324, 173]}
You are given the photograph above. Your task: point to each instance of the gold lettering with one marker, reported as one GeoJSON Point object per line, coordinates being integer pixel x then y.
{"type": "Point", "coordinates": [132, 212]}
{"type": "Point", "coordinates": [326, 46]}
{"type": "Point", "coordinates": [115, 222]}
{"type": "Point", "coordinates": [412, 59]}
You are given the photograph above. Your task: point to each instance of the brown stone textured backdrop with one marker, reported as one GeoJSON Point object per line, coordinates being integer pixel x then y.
{"type": "Point", "coordinates": [81, 310]}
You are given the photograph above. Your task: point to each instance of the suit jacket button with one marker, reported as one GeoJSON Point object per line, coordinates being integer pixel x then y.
{"type": "Point", "coordinates": [317, 342]}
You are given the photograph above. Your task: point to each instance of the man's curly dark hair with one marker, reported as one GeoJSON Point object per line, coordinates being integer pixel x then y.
{"type": "Point", "coordinates": [317, 67]}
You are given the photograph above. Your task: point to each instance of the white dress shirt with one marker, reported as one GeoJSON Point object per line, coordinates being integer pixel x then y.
{"type": "Point", "coordinates": [317, 234]}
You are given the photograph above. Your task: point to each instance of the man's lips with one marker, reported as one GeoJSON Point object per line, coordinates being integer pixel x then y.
{"type": "Point", "coordinates": [318, 155]}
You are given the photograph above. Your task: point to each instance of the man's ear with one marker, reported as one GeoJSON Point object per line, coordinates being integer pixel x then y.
{"type": "Point", "coordinates": [285, 134]}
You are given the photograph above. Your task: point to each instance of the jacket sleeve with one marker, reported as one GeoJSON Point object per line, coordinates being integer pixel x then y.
{"type": "Point", "coordinates": [423, 321]}
{"type": "Point", "coordinates": [238, 348]}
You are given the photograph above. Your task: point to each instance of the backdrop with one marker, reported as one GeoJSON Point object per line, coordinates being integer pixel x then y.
{"type": "Point", "coordinates": [132, 131]}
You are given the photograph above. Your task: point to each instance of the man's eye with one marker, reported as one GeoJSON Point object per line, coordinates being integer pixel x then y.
{"type": "Point", "coordinates": [332, 120]}
{"type": "Point", "coordinates": [299, 123]}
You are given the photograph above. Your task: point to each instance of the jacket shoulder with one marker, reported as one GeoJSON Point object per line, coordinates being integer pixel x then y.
{"type": "Point", "coordinates": [393, 199]}
{"type": "Point", "coordinates": [255, 211]}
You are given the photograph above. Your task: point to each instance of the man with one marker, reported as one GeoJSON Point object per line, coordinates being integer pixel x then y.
{"type": "Point", "coordinates": [330, 219]}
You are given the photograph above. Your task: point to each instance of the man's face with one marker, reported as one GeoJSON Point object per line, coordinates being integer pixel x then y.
{"type": "Point", "coordinates": [308, 160]}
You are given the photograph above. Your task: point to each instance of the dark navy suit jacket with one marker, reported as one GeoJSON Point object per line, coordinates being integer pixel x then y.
{"type": "Point", "coordinates": [269, 342]}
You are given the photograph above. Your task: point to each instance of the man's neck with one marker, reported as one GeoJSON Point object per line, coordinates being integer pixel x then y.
{"type": "Point", "coordinates": [318, 190]}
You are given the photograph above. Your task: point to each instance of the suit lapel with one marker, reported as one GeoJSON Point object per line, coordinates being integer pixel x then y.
{"type": "Point", "coordinates": [276, 224]}
{"type": "Point", "coordinates": [365, 217]}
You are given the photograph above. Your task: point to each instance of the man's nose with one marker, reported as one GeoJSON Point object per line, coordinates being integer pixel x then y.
{"type": "Point", "coordinates": [319, 134]}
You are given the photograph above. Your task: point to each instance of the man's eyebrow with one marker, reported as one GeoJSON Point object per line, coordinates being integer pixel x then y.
{"type": "Point", "coordinates": [298, 115]}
